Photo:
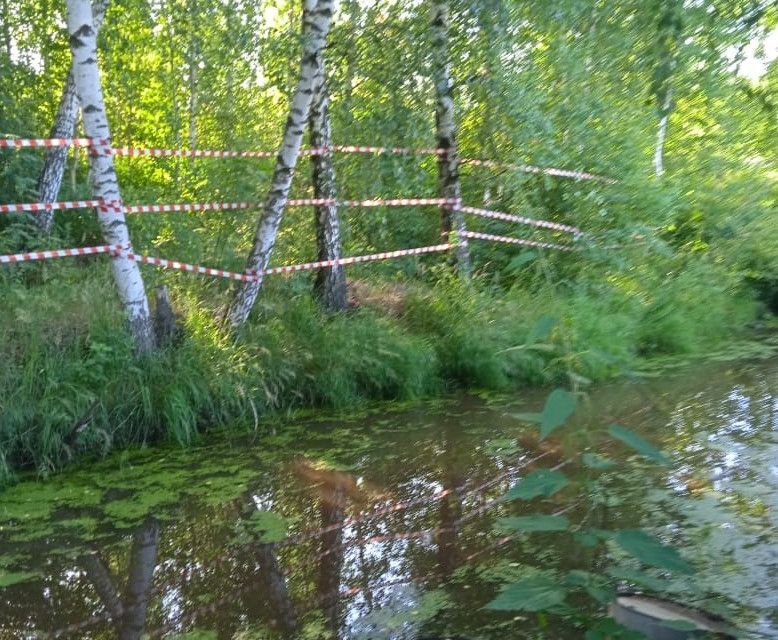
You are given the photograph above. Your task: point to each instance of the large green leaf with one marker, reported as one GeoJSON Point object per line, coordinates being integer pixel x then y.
{"type": "Point", "coordinates": [636, 577]}
{"type": "Point", "coordinates": [560, 405]}
{"type": "Point", "coordinates": [534, 523]}
{"type": "Point", "coordinates": [651, 551]}
{"type": "Point", "coordinates": [543, 482]}
{"type": "Point", "coordinates": [643, 447]}
{"type": "Point", "coordinates": [268, 526]}
{"type": "Point", "coordinates": [530, 594]}
{"type": "Point", "coordinates": [595, 585]}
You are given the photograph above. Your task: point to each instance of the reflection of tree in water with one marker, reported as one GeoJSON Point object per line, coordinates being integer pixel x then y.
{"type": "Point", "coordinates": [274, 582]}
{"type": "Point", "coordinates": [129, 608]}
{"type": "Point", "coordinates": [333, 513]}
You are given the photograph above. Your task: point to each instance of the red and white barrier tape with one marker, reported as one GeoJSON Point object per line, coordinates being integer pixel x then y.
{"type": "Point", "coordinates": [32, 143]}
{"type": "Point", "coordinates": [543, 224]}
{"type": "Point", "coordinates": [549, 171]}
{"type": "Point", "coordinates": [385, 255]}
{"type": "Point", "coordinates": [103, 146]}
{"type": "Point", "coordinates": [183, 266]}
{"type": "Point", "coordinates": [49, 206]}
{"type": "Point", "coordinates": [529, 243]}
{"type": "Point", "coordinates": [298, 202]}
{"type": "Point", "coordinates": [59, 253]}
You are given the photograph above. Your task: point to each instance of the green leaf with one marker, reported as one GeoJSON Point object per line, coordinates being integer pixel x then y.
{"type": "Point", "coordinates": [534, 523]}
{"type": "Point", "coordinates": [543, 482]}
{"type": "Point", "coordinates": [595, 585]}
{"type": "Point", "coordinates": [637, 577]}
{"type": "Point", "coordinates": [651, 551]}
{"type": "Point", "coordinates": [643, 447]}
{"type": "Point", "coordinates": [531, 594]}
{"type": "Point", "coordinates": [11, 578]}
{"type": "Point", "coordinates": [541, 330]}
{"type": "Point", "coordinates": [595, 461]}
{"type": "Point", "coordinates": [609, 629]}
{"type": "Point", "coordinates": [520, 260]}
{"type": "Point", "coordinates": [268, 525]}
{"type": "Point", "coordinates": [559, 407]}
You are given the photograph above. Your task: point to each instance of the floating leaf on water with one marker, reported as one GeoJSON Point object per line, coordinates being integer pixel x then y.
{"type": "Point", "coordinates": [534, 523]}
{"type": "Point", "coordinates": [643, 447]}
{"type": "Point", "coordinates": [543, 482]}
{"type": "Point", "coordinates": [268, 526]}
{"type": "Point", "coordinates": [651, 551]}
{"type": "Point", "coordinates": [596, 461]}
{"type": "Point", "coordinates": [531, 594]}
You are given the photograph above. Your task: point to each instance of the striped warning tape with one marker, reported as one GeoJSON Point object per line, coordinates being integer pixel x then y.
{"type": "Point", "coordinates": [549, 171]}
{"type": "Point", "coordinates": [529, 243]}
{"type": "Point", "coordinates": [103, 146]}
{"type": "Point", "coordinates": [49, 206]}
{"type": "Point", "coordinates": [295, 202]}
{"type": "Point", "coordinates": [385, 255]}
{"type": "Point", "coordinates": [190, 268]}
{"type": "Point", "coordinates": [59, 253]}
{"type": "Point", "coordinates": [32, 143]}
{"type": "Point", "coordinates": [543, 224]}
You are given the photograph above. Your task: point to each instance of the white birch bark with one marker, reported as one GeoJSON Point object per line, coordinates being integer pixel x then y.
{"type": "Point", "coordinates": [661, 136]}
{"type": "Point", "coordinates": [316, 24]}
{"type": "Point", "coordinates": [105, 186]}
{"type": "Point", "coordinates": [50, 179]}
{"type": "Point", "coordinates": [451, 218]}
{"type": "Point", "coordinates": [330, 285]}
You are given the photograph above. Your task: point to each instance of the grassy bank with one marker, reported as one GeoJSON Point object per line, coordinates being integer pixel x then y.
{"type": "Point", "coordinates": [70, 386]}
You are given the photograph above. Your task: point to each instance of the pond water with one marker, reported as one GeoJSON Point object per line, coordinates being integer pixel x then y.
{"type": "Point", "coordinates": [392, 520]}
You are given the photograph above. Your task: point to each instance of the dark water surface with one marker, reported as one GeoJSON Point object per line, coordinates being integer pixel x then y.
{"type": "Point", "coordinates": [168, 541]}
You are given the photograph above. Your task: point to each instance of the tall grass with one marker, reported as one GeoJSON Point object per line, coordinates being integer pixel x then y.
{"type": "Point", "coordinates": [70, 386]}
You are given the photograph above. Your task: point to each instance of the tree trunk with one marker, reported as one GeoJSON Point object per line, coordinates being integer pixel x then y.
{"type": "Point", "coordinates": [661, 136]}
{"type": "Point", "coordinates": [316, 24]}
{"type": "Point", "coordinates": [330, 285]}
{"type": "Point", "coordinates": [143, 560]}
{"type": "Point", "coordinates": [50, 179]}
{"type": "Point", "coordinates": [105, 186]}
{"type": "Point", "coordinates": [451, 217]}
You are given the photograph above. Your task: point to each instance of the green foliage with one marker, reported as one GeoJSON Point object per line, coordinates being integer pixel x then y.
{"type": "Point", "coordinates": [534, 523]}
{"type": "Point", "coordinates": [650, 551]}
{"type": "Point", "coordinates": [543, 482]}
{"type": "Point", "coordinates": [537, 593]}
{"type": "Point", "coordinates": [639, 444]}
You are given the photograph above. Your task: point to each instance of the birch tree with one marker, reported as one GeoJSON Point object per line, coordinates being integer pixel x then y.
{"type": "Point", "coordinates": [330, 285]}
{"type": "Point", "coordinates": [317, 15]}
{"type": "Point", "coordinates": [669, 30]}
{"type": "Point", "coordinates": [105, 186]}
{"type": "Point", "coordinates": [50, 179]}
{"type": "Point", "coordinates": [451, 217]}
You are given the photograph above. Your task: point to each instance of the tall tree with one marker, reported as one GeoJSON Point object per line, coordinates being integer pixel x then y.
{"type": "Point", "coordinates": [83, 45]}
{"type": "Point", "coordinates": [317, 15]}
{"type": "Point", "coordinates": [330, 285]}
{"type": "Point", "coordinates": [451, 216]}
{"type": "Point", "coordinates": [669, 29]}
{"type": "Point", "coordinates": [50, 179]}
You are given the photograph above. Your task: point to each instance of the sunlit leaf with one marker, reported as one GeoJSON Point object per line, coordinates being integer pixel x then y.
{"type": "Point", "coordinates": [11, 578]}
{"type": "Point", "coordinates": [531, 594]}
{"type": "Point", "coordinates": [534, 523]}
{"type": "Point", "coordinates": [543, 482]}
{"type": "Point", "coordinates": [268, 526]}
{"type": "Point", "coordinates": [651, 551]}
{"type": "Point", "coordinates": [633, 440]}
